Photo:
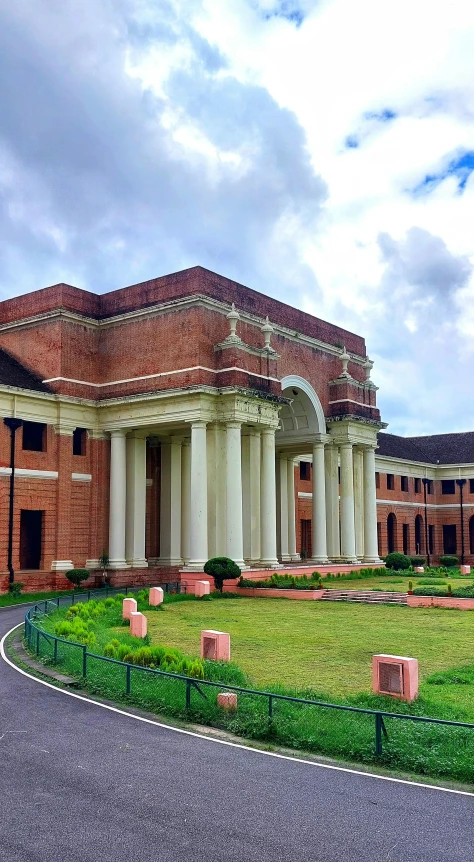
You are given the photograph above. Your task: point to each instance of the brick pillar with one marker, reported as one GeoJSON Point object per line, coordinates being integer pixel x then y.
{"type": "Point", "coordinates": [62, 561]}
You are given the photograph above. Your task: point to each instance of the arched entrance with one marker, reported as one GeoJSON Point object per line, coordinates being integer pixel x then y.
{"type": "Point", "coordinates": [419, 534]}
{"type": "Point", "coordinates": [391, 533]}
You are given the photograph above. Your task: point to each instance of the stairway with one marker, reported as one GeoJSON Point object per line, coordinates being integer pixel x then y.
{"type": "Point", "coordinates": [371, 597]}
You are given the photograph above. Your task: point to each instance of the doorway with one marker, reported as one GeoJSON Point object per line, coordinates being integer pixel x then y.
{"type": "Point", "coordinates": [31, 531]}
{"type": "Point", "coordinates": [306, 544]}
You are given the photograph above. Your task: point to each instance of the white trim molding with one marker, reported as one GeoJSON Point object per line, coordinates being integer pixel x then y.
{"type": "Point", "coordinates": [81, 477]}
{"type": "Point", "coordinates": [21, 473]}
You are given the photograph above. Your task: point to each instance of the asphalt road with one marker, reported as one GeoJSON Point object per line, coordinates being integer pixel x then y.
{"type": "Point", "coordinates": [79, 782]}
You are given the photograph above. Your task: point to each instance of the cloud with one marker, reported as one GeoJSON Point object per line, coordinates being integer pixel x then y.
{"type": "Point", "coordinates": [318, 150]}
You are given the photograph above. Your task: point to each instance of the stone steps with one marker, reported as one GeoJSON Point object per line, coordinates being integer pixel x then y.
{"type": "Point", "coordinates": [371, 597]}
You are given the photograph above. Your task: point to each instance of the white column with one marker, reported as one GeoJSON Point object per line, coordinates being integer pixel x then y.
{"type": "Point", "coordinates": [136, 501]}
{"type": "Point", "coordinates": [234, 530]}
{"type": "Point", "coordinates": [358, 459]}
{"type": "Point", "coordinates": [318, 532]}
{"type": "Point", "coordinates": [268, 500]}
{"type": "Point", "coordinates": [348, 551]}
{"type": "Point", "coordinates": [291, 511]}
{"type": "Point", "coordinates": [371, 554]}
{"type": "Point", "coordinates": [170, 502]}
{"type": "Point", "coordinates": [185, 499]}
{"type": "Point", "coordinates": [282, 526]}
{"type": "Point", "coordinates": [251, 457]}
{"type": "Point", "coordinates": [331, 457]}
{"type": "Point", "coordinates": [198, 549]}
{"type": "Point", "coordinates": [117, 505]}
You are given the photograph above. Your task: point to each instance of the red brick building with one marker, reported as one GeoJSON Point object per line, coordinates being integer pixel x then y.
{"type": "Point", "coordinates": [172, 420]}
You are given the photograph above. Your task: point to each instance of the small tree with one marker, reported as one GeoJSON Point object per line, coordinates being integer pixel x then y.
{"type": "Point", "coordinates": [449, 560]}
{"type": "Point", "coordinates": [222, 569]}
{"type": "Point", "coordinates": [397, 561]}
{"type": "Point", "coordinates": [77, 576]}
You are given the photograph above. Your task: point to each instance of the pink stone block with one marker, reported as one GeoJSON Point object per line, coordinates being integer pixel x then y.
{"type": "Point", "coordinates": [227, 700]}
{"type": "Point", "coordinates": [156, 596]}
{"type": "Point", "coordinates": [128, 607]}
{"type": "Point", "coordinates": [215, 645]}
{"type": "Point", "coordinates": [396, 676]}
{"type": "Point", "coordinates": [465, 570]}
{"type": "Point", "coordinates": [202, 588]}
{"type": "Point", "coordinates": [138, 624]}
{"type": "Point", "coordinates": [419, 569]}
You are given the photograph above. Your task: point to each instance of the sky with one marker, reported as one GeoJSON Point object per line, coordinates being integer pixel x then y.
{"type": "Point", "coordinates": [319, 151]}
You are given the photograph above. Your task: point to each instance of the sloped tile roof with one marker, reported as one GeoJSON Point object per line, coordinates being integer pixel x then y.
{"type": "Point", "coordinates": [432, 449]}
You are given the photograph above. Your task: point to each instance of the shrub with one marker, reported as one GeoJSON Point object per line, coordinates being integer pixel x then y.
{"type": "Point", "coordinates": [417, 561]}
{"type": "Point", "coordinates": [76, 576]}
{"type": "Point", "coordinates": [15, 588]}
{"type": "Point", "coordinates": [221, 569]}
{"type": "Point", "coordinates": [449, 560]}
{"type": "Point", "coordinates": [397, 561]}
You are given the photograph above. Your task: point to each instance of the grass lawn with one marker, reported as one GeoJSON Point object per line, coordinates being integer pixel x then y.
{"type": "Point", "coordinates": [325, 647]}
{"type": "Point", "coordinates": [396, 583]}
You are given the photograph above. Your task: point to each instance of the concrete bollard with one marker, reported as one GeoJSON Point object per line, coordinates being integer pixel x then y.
{"type": "Point", "coordinates": [202, 588]}
{"type": "Point", "coordinates": [215, 645]}
{"type": "Point", "coordinates": [138, 624]}
{"type": "Point", "coordinates": [465, 570]}
{"type": "Point", "coordinates": [419, 569]}
{"type": "Point", "coordinates": [227, 700]}
{"type": "Point", "coordinates": [156, 596]}
{"type": "Point", "coordinates": [128, 607]}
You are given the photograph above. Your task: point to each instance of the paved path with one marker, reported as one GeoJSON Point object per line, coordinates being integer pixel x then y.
{"type": "Point", "coordinates": [79, 783]}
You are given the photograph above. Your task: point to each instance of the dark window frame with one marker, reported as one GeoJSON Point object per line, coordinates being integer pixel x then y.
{"type": "Point", "coordinates": [404, 483]}
{"type": "Point", "coordinates": [34, 436]}
{"type": "Point", "coordinates": [448, 487]}
{"type": "Point", "coordinates": [305, 471]}
{"type": "Point", "coordinates": [390, 481]}
{"type": "Point", "coordinates": [79, 442]}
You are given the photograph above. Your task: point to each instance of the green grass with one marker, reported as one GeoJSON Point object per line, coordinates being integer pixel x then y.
{"type": "Point", "coordinates": [7, 599]}
{"type": "Point", "coordinates": [319, 650]}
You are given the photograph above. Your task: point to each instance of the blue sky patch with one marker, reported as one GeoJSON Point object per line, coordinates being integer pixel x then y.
{"type": "Point", "coordinates": [460, 167]}
{"type": "Point", "coordinates": [289, 10]}
{"type": "Point", "coordinates": [351, 142]}
{"type": "Point", "coordinates": [381, 116]}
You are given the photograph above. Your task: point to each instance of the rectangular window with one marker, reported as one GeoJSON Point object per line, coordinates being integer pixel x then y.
{"type": "Point", "coordinates": [406, 538]}
{"type": "Point", "coordinates": [31, 533]}
{"type": "Point", "coordinates": [431, 537]}
{"type": "Point", "coordinates": [79, 438]}
{"type": "Point", "coordinates": [471, 486]}
{"type": "Point", "coordinates": [306, 543]}
{"type": "Point", "coordinates": [34, 436]}
{"type": "Point", "coordinates": [404, 483]}
{"type": "Point", "coordinates": [429, 486]}
{"type": "Point", "coordinates": [390, 482]}
{"type": "Point", "coordinates": [448, 486]}
{"type": "Point", "coordinates": [377, 480]}
{"type": "Point", "coordinates": [417, 486]}
{"type": "Point", "coordinates": [305, 470]}
{"type": "Point", "coordinates": [449, 539]}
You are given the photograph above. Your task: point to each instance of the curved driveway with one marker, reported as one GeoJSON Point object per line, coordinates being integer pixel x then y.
{"type": "Point", "coordinates": [80, 782]}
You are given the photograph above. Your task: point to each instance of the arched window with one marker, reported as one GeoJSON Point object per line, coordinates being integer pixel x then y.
{"type": "Point", "coordinates": [471, 534]}
{"type": "Point", "coordinates": [418, 534]}
{"type": "Point", "coordinates": [392, 533]}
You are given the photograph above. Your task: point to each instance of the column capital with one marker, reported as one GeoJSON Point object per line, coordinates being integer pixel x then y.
{"type": "Point", "coordinates": [268, 431]}
{"type": "Point", "coordinates": [198, 423]}
{"type": "Point", "coordinates": [118, 432]}
{"type": "Point", "coordinates": [232, 423]}
{"type": "Point", "coordinates": [137, 434]}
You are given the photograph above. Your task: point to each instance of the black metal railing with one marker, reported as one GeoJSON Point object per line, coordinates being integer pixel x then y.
{"type": "Point", "coordinates": [36, 637]}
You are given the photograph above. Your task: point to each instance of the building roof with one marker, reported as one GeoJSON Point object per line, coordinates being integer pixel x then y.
{"type": "Point", "coordinates": [13, 373]}
{"type": "Point", "coordinates": [432, 449]}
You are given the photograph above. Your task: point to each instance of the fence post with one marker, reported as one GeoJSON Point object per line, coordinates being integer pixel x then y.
{"type": "Point", "coordinates": [37, 641]}
{"type": "Point", "coordinates": [57, 601]}
{"type": "Point", "coordinates": [88, 595]}
{"type": "Point", "coordinates": [188, 694]}
{"type": "Point", "coordinates": [84, 661]}
{"type": "Point", "coordinates": [55, 651]}
{"type": "Point", "coordinates": [128, 685]}
{"type": "Point", "coordinates": [270, 707]}
{"type": "Point", "coordinates": [378, 733]}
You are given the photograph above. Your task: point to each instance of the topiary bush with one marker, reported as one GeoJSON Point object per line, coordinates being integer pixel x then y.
{"type": "Point", "coordinates": [397, 561]}
{"type": "Point", "coordinates": [449, 560]}
{"type": "Point", "coordinates": [77, 576]}
{"type": "Point", "coordinates": [221, 569]}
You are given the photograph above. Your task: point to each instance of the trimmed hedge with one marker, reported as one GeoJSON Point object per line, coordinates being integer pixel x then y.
{"type": "Point", "coordinates": [397, 561]}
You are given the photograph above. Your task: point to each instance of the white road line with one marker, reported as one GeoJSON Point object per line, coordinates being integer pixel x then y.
{"type": "Point", "coordinates": [247, 748]}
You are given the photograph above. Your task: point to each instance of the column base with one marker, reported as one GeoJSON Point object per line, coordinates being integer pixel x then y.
{"type": "Point", "coordinates": [194, 566]}
{"type": "Point", "coordinates": [318, 561]}
{"type": "Point", "coordinates": [138, 564]}
{"type": "Point", "coordinates": [371, 560]}
{"type": "Point", "coordinates": [269, 564]}
{"type": "Point", "coordinates": [115, 565]}
{"type": "Point", "coordinates": [61, 565]}
{"type": "Point", "coordinates": [346, 560]}
{"type": "Point", "coordinates": [170, 561]}
{"type": "Point", "coordinates": [286, 558]}
{"type": "Point", "coordinates": [92, 564]}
